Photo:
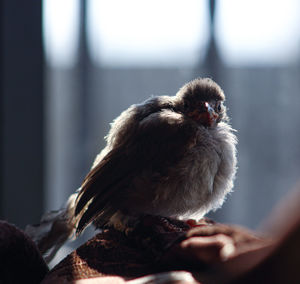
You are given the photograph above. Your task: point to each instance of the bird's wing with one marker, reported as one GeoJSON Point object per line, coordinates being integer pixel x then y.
{"type": "Point", "coordinates": [159, 140]}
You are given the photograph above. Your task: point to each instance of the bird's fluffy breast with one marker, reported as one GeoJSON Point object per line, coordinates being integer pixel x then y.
{"type": "Point", "coordinates": [200, 179]}
{"type": "Point", "coordinates": [165, 162]}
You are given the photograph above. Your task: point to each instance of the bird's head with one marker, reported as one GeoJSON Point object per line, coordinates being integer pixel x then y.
{"type": "Point", "coordinates": [202, 100]}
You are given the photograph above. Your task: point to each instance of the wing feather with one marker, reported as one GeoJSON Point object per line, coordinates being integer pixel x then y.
{"type": "Point", "coordinates": [108, 173]}
{"type": "Point", "coordinates": [159, 141]}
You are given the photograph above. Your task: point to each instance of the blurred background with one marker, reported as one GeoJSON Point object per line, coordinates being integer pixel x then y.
{"type": "Point", "coordinates": [68, 68]}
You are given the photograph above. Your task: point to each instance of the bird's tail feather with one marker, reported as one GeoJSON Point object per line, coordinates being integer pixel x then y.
{"type": "Point", "coordinates": [103, 184]}
{"type": "Point", "coordinates": [54, 229]}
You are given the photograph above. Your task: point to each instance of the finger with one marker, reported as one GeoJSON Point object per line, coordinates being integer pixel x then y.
{"type": "Point", "coordinates": [209, 249]}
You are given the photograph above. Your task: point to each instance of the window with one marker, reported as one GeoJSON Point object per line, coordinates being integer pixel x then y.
{"type": "Point", "coordinates": [258, 32]}
{"type": "Point", "coordinates": [147, 33]}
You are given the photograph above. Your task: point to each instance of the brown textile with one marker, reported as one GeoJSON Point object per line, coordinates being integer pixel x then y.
{"type": "Point", "coordinates": [153, 246]}
{"type": "Point", "coordinates": [129, 255]}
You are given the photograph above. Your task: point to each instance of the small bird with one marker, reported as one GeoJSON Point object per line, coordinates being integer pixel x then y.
{"type": "Point", "coordinates": [172, 156]}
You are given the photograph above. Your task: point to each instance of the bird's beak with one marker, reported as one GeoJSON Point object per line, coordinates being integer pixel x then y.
{"type": "Point", "coordinates": [205, 115]}
{"type": "Point", "coordinates": [209, 116]}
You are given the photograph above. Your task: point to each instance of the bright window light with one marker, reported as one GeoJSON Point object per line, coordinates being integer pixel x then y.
{"type": "Point", "coordinates": [149, 32]}
{"type": "Point", "coordinates": [61, 27]}
{"type": "Point", "coordinates": [255, 32]}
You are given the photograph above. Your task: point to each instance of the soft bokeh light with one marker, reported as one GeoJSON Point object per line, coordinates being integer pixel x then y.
{"type": "Point", "coordinates": [155, 32]}
{"type": "Point", "coordinates": [173, 33]}
{"type": "Point", "coordinates": [258, 32]}
{"type": "Point", "coordinates": [61, 31]}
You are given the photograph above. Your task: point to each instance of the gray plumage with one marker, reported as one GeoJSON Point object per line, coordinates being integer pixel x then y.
{"type": "Point", "coordinates": [173, 156]}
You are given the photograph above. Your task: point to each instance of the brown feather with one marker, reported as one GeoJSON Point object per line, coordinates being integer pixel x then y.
{"type": "Point", "coordinates": [158, 160]}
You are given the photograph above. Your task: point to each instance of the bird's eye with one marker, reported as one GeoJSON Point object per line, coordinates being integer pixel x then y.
{"type": "Point", "coordinates": [219, 107]}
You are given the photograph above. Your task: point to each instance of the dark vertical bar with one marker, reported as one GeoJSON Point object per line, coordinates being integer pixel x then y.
{"type": "Point", "coordinates": [84, 87]}
{"type": "Point", "coordinates": [1, 108]}
{"type": "Point", "coordinates": [212, 63]}
{"type": "Point", "coordinates": [22, 111]}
